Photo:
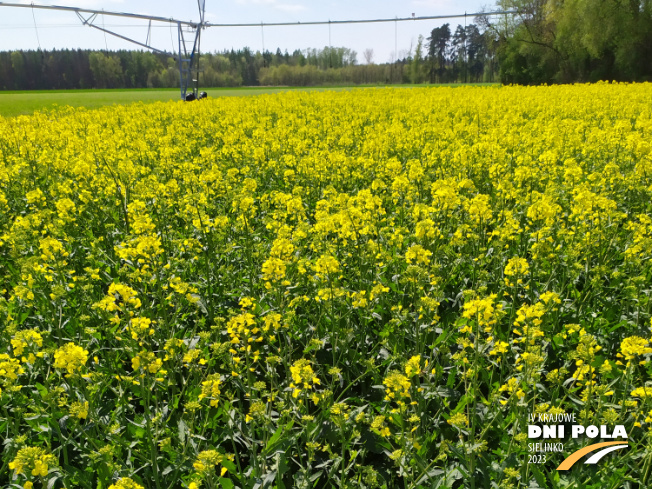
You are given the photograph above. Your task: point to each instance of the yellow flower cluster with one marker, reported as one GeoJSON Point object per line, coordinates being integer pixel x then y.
{"type": "Point", "coordinates": [527, 323]}
{"type": "Point", "coordinates": [126, 483]}
{"type": "Point", "coordinates": [257, 410]}
{"type": "Point", "coordinates": [512, 387]}
{"type": "Point", "coordinates": [459, 420]}
{"type": "Point", "coordinates": [485, 311]}
{"type": "Point", "coordinates": [79, 410]}
{"type": "Point", "coordinates": [10, 368]}
{"type": "Point", "coordinates": [379, 426]}
{"type": "Point", "coordinates": [119, 293]}
{"type": "Point", "coordinates": [326, 265]}
{"type": "Point", "coordinates": [32, 460]}
{"type": "Point", "coordinates": [207, 461]}
{"type": "Point", "coordinates": [273, 269]}
{"type": "Point", "coordinates": [173, 347]}
{"type": "Point", "coordinates": [245, 337]}
{"type": "Point", "coordinates": [633, 347]}
{"type": "Point", "coordinates": [303, 376]}
{"type": "Point", "coordinates": [642, 392]}
{"type": "Point", "coordinates": [516, 267]}
{"type": "Point", "coordinates": [397, 388]}
{"type": "Point", "coordinates": [418, 255]}
{"type": "Point", "coordinates": [139, 327]}
{"type": "Point", "coordinates": [70, 357]}
{"type": "Point", "coordinates": [413, 366]}
{"type": "Point", "coordinates": [210, 389]}
{"type": "Point", "coordinates": [147, 361]}
{"type": "Point", "coordinates": [26, 339]}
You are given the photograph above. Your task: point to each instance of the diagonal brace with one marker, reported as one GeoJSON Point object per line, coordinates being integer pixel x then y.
{"type": "Point", "coordinates": [89, 22]}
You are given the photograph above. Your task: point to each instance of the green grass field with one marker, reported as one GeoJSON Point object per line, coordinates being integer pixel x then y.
{"type": "Point", "coordinates": [13, 103]}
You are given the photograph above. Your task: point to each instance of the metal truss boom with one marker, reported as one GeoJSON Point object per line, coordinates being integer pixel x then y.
{"type": "Point", "coordinates": [201, 5]}
{"type": "Point", "coordinates": [368, 21]}
{"type": "Point", "coordinates": [89, 22]}
{"type": "Point", "coordinates": [99, 12]}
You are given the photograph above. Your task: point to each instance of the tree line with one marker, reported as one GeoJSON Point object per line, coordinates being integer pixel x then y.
{"type": "Point", "coordinates": [564, 41]}
{"type": "Point", "coordinates": [444, 57]}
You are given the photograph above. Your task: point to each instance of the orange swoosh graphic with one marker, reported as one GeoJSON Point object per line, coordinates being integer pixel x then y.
{"type": "Point", "coordinates": [575, 456]}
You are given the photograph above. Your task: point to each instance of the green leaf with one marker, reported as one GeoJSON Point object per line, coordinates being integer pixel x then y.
{"type": "Point", "coordinates": [183, 429]}
{"type": "Point", "coordinates": [41, 389]}
{"type": "Point", "coordinates": [230, 466]}
{"type": "Point", "coordinates": [274, 440]}
{"type": "Point", "coordinates": [450, 382]}
{"type": "Point", "coordinates": [226, 483]}
{"type": "Point", "coordinates": [538, 475]}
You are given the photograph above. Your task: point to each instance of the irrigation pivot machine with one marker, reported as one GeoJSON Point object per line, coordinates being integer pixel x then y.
{"type": "Point", "coordinates": [188, 33]}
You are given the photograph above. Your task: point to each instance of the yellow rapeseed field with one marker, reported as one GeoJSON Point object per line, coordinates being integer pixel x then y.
{"type": "Point", "coordinates": [362, 289]}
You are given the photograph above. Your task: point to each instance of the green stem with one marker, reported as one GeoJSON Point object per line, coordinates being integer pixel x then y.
{"type": "Point", "coordinates": [150, 439]}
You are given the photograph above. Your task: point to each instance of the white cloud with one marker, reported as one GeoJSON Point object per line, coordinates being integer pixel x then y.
{"type": "Point", "coordinates": [433, 4]}
{"type": "Point", "coordinates": [290, 7]}
{"type": "Point", "coordinates": [284, 7]}
{"type": "Point", "coordinates": [87, 4]}
{"type": "Point", "coordinates": [256, 2]}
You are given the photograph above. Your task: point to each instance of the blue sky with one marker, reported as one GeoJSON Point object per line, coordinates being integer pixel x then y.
{"type": "Point", "coordinates": [63, 29]}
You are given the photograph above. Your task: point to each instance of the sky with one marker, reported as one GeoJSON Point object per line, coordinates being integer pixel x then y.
{"type": "Point", "coordinates": [26, 28]}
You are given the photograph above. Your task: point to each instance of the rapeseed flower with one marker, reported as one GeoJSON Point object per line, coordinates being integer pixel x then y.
{"type": "Point", "coordinates": [210, 389]}
{"type": "Point", "coordinates": [10, 368]}
{"type": "Point", "coordinates": [207, 461]}
{"type": "Point", "coordinates": [303, 377]}
{"type": "Point", "coordinates": [126, 483]}
{"type": "Point", "coordinates": [417, 254]}
{"type": "Point", "coordinates": [397, 387]}
{"type": "Point", "coordinates": [633, 347]}
{"type": "Point", "coordinates": [516, 267]}
{"type": "Point", "coordinates": [147, 361]}
{"type": "Point", "coordinates": [413, 366]}
{"type": "Point", "coordinates": [485, 311]}
{"type": "Point", "coordinates": [33, 461]}
{"type": "Point", "coordinates": [643, 392]}
{"type": "Point", "coordinates": [25, 339]}
{"type": "Point", "coordinates": [70, 357]}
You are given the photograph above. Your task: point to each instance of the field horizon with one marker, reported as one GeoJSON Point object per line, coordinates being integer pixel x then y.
{"type": "Point", "coordinates": [25, 102]}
